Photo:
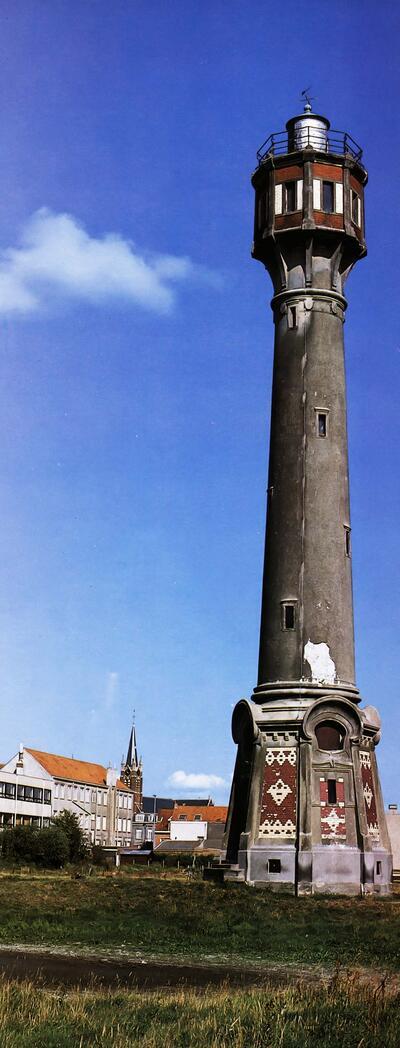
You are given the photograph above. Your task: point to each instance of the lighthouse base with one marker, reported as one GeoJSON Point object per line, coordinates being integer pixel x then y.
{"type": "Point", "coordinates": [306, 812]}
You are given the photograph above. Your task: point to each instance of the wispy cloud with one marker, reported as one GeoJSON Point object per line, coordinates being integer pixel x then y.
{"type": "Point", "coordinates": [56, 258]}
{"type": "Point", "coordinates": [111, 690]}
{"type": "Point", "coordinates": [196, 781]}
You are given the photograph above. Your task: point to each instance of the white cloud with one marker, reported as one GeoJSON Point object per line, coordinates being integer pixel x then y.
{"type": "Point", "coordinates": [193, 781]}
{"type": "Point", "coordinates": [111, 690]}
{"type": "Point", "coordinates": [56, 258]}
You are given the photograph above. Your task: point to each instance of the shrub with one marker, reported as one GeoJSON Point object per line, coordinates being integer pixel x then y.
{"type": "Point", "coordinates": [68, 823]}
{"type": "Point", "coordinates": [45, 847]}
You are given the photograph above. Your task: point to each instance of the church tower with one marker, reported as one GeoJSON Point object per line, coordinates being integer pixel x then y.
{"type": "Point", "coordinates": [306, 810]}
{"type": "Point", "coordinates": [132, 772]}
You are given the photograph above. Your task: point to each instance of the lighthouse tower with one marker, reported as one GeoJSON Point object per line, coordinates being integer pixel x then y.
{"type": "Point", "coordinates": [306, 810]}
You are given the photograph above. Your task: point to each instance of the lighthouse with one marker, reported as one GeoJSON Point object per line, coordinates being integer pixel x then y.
{"type": "Point", "coordinates": [306, 811]}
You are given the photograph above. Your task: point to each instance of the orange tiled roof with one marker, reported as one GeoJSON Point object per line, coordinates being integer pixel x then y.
{"type": "Point", "coordinates": [209, 813]}
{"type": "Point", "coordinates": [163, 817]}
{"type": "Point", "coordinates": [74, 770]}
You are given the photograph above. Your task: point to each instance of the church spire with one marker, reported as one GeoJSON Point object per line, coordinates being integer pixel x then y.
{"type": "Point", "coordinates": [131, 769]}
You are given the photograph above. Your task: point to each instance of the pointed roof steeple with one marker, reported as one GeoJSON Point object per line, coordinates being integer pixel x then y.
{"type": "Point", "coordinates": [132, 757]}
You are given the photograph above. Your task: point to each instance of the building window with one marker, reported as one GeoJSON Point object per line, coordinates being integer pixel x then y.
{"type": "Point", "coordinates": [104, 822]}
{"type": "Point", "coordinates": [138, 835]}
{"type": "Point", "coordinates": [378, 868]}
{"type": "Point", "coordinates": [328, 197]}
{"type": "Point", "coordinates": [322, 423]}
{"type": "Point", "coordinates": [347, 539]}
{"type": "Point", "coordinates": [7, 789]}
{"type": "Point", "coordinates": [181, 818]}
{"type": "Point", "coordinates": [288, 615]}
{"type": "Point", "coordinates": [332, 797]}
{"type": "Point", "coordinates": [197, 818]}
{"type": "Point", "coordinates": [47, 796]}
{"type": "Point", "coordinates": [330, 736]}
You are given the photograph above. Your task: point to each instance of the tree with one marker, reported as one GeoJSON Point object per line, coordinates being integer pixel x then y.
{"type": "Point", "coordinates": [77, 844]}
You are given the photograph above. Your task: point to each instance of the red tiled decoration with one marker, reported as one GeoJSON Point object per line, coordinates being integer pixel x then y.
{"type": "Point", "coordinates": [279, 794]}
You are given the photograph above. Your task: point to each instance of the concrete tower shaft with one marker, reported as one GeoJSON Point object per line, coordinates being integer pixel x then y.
{"type": "Point", "coordinates": [307, 614]}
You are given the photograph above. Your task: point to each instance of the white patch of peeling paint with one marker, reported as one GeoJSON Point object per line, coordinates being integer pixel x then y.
{"type": "Point", "coordinates": [322, 667]}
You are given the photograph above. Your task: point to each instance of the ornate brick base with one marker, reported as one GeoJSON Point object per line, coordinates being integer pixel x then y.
{"type": "Point", "coordinates": [306, 811]}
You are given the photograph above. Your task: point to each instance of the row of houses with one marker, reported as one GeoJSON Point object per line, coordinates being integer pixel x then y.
{"type": "Point", "coordinates": [35, 786]}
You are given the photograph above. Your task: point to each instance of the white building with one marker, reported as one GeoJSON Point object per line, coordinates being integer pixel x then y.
{"type": "Point", "coordinates": [26, 792]}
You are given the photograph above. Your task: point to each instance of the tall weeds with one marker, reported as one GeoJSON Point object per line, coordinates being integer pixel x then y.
{"type": "Point", "coordinates": [339, 1014]}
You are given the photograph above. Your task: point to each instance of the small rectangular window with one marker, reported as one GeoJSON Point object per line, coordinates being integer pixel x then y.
{"type": "Point", "coordinates": [290, 196]}
{"type": "Point", "coordinates": [347, 536]}
{"type": "Point", "coordinates": [378, 868]}
{"type": "Point", "coordinates": [288, 616]}
{"type": "Point", "coordinates": [322, 423]}
{"type": "Point", "coordinates": [332, 791]}
{"type": "Point", "coordinates": [274, 865]}
{"type": "Point", "coordinates": [328, 197]}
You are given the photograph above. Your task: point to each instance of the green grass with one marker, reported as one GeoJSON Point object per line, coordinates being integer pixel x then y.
{"type": "Point", "coordinates": [167, 917]}
{"type": "Point", "coordinates": [339, 1015]}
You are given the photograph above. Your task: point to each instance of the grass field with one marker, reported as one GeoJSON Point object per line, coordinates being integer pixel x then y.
{"type": "Point", "coordinates": [340, 1015]}
{"type": "Point", "coordinates": [167, 917]}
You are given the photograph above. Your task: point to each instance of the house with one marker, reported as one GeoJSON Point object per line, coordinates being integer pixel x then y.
{"type": "Point", "coordinates": [191, 824]}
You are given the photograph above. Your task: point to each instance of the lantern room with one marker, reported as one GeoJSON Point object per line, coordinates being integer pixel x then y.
{"type": "Point", "coordinates": [309, 178]}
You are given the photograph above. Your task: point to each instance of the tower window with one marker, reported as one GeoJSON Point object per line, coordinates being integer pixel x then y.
{"type": "Point", "coordinates": [347, 538]}
{"type": "Point", "coordinates": [329, 736]}
{"type": "Point", "coordinates": [322, 423]}
{"type": "Point", "coordinates": [289, 196]}
{"type": "Point", "coordinates": [328, 197]}
{"type": "Point", "coordinates": [288, 615]}
{"type": "Point", "coordinates": [292, 317]}
{"type": "Point", "coordinates": [332, 798]}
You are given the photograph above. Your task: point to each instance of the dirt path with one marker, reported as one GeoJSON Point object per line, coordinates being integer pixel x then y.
{"type": "Point", "coordinates": [54, 969]}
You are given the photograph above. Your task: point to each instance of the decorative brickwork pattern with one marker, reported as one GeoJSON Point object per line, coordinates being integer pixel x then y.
{"type": "Point", "coordinates": [333, 816]}
{"type": "Point", "coordinates": [369, 795]}
{"type": "Point", "coordinates": [279, 794]}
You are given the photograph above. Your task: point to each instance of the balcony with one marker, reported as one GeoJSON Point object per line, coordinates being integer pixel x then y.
{"type": "Point", "coordinates": [321, 140]}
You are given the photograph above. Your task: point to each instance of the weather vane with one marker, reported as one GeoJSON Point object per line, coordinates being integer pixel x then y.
{"type": "Point", "coordinates": [307, 98]}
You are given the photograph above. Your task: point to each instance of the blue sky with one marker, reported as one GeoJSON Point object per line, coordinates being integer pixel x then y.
{"type": "Point", "coordinates": [136, 362]}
